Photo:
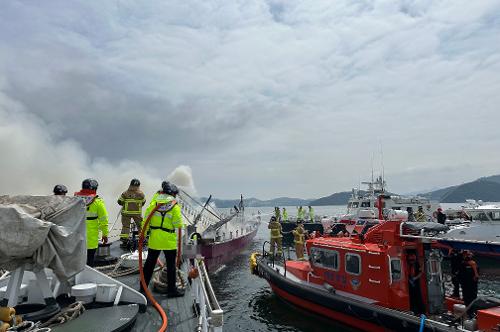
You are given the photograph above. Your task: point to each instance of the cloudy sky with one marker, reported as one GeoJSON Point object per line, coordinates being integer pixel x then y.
{"type": "Point", "coordinates": [265, 98]}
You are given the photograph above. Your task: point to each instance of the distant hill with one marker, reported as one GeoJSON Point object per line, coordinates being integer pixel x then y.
{"type": "Point", "coordinates": [334, 199]}
{"type": "Point", "coordinates": [485, 188]}
{"type": "Point", "coordinates": [254, 202]}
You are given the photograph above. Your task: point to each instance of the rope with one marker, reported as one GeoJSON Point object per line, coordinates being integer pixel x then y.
{"type": "Point", "coordinates": [69, 313]}
{"type": "Point", "coordinates": [28, 326]}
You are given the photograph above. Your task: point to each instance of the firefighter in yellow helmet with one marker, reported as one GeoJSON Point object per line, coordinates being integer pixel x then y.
{"type": "Point", "coordinates": [97, 217]}
{"type": "Point", "coordinates": [163, 234]}
{"type": "Point", "coordinates": [420, 215]}
{"type": "Point", "coordinates": [299, 234]}
{"type": "Point", "coordinates": [276, 236]}
{"type": "Point", "coordinates": [132, 200]}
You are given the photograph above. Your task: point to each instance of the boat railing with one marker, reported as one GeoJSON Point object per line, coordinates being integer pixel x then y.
{"type": "Point", "coordinates": [210, 318]}
{"type": "Point", "coordinates": [273, 258]}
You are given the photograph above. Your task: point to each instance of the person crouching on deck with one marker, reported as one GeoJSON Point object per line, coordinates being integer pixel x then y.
{"type": "Point", "coordinates": [163, 236]}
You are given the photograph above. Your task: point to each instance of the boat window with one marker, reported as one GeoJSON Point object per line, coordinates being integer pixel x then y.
{"type": "Point", "coordinates": [494, 215]}
{"type": "Point", "coordinates": [482, 217]}
{"type": "Point", "coordinates": [349, 205]}
{"type": "Point", "coordinates": [325, 258]}
{"type": "Point", "coordinates": [395, 269]}
{"type": "Point", "coordinates": [360, 222]}
{"type": "Point", "coordinates": [365, 204]}
{"type": "Point", "coordinates": [353, 264]}
{"type": "Point", "coordinates": [355, 204]}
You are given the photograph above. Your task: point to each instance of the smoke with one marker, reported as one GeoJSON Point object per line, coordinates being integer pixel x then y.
{"type": "Point", "coordinates": [33, 159]}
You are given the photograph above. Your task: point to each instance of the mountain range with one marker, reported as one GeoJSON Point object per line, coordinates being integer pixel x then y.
{"type": "Point", "coordinates": [486, 189]}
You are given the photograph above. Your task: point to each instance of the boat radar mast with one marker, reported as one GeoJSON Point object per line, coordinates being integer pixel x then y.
{"type": "Point", "coordinates": [376, 187]}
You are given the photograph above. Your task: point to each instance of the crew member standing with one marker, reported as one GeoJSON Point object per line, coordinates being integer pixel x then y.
{"type": "Point", "coordinates": [300, 214]}
{"type": "Point", "coordinates": [277, 213]}
{"type": "Point", "coordinates": [469, 277]}
{"type": "Point", "coordinates": [420, 215]}
{"type": "Point", "coordinates": [285, 215]}
{"type": "Point", "coordinates": [276, 236]}
{"type": "Point", "coordinates": [163, 236]}
{"type": "Point", "coordinates": [60, 190]}
{"type": "Point", "coordinates": [456, 259]}
{"type": "Point", "coordinates": [132, 200]}
{"type": "Point", "coordinates": [299, 234]}
{"type": "Point", "coordinates": [311, 213]}
{"type": "Point", "coordinates": [97, 218]}
{"type": "Point", "coordinates": [440, 216]}
{"type": "Point", "coordinates": [415, 292]}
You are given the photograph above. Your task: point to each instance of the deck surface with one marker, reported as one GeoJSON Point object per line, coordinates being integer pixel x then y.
{"type": "Point", "coordinates": [179, 310]}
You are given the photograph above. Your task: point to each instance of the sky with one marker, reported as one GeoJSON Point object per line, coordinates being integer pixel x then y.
{"type": "Point", "coordinates": [265, 98]}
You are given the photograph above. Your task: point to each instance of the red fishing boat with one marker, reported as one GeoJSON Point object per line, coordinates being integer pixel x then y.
{"type": "Point", "coordinates": [375, 280]}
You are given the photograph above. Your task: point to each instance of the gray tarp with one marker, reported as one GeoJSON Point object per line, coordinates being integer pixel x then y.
{"type": "Point", "coordinates": [43, 231]}
{"type": "Point", "coordinates": [426, 226]}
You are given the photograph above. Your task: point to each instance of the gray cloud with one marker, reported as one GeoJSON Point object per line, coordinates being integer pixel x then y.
{"type": "Point", "coordinates": [265, 98]}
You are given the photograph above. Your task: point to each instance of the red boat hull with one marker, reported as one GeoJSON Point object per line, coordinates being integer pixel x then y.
{"type": "Point", "coordinates": [217, 254]}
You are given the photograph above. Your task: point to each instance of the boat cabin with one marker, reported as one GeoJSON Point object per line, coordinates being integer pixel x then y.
{"type": "Point", "coordinates": [374, 267]}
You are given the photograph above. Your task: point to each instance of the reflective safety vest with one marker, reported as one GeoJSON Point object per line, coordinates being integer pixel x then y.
{"type": "Point", "coordinates": [300, 214]}
{"type": "Point", "coordinates": [285, 215]}
{"type": "Point", "coordinates": [164, 222]}
{"type": "Point", "coordinates": [97, 219]}
{"type": "Point", "coordinates": [311, 214]}
{"type": "Point", "coordinates": [299, 235]}
{"type": "Point", "coordinates": [132, 201]}
{"type": "Point", "coordinates": [275, 228]}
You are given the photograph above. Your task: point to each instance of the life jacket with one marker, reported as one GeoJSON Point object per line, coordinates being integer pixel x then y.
{"type": "Point", "coordinates": [299, 235]}
{"type": "Point", "coordinates": [275, 230]}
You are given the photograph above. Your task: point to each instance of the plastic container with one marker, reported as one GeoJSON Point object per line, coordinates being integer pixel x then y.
{"type": "Point", "coordinates": [84, 292]}
{"type": "Point", "coordinates": [458, 309]}
{"type": "Point", "coordinates": [106, 293]}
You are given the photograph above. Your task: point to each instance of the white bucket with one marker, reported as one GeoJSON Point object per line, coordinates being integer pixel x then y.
{"type": "Point", "coordinates": [106, 293]}
{"type": "Point", "coordinates": [84, 292]}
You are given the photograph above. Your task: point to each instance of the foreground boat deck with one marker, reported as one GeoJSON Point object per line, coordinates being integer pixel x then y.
{"type": "Point", "coordinates": [179, 310]}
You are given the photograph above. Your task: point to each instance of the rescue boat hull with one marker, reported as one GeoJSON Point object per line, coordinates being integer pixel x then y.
{"type": "Point", "coordinates": [364, 316]}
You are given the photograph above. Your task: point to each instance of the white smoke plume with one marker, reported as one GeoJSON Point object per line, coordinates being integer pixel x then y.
{"type": "Point", "coordinates": [33, 160]}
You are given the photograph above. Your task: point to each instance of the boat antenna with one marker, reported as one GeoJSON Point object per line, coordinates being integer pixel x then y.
{"type": "Point", "coordinates": [382, 164]}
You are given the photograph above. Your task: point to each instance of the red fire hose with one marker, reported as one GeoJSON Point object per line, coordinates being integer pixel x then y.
{"type": "Point", "coordinates": [150, 297]}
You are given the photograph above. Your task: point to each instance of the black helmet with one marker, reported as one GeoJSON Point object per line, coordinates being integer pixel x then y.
{"type": "Point", "coordinates": [135, 183]}
{"type": "Point", "coordinates": [169, 188]}
{"type": "Point", "coordinates": [90, 184]}
{"type": "Point", "coordinates": [60, 189]}
{"type": "Point", "coordinates": [273, 218]}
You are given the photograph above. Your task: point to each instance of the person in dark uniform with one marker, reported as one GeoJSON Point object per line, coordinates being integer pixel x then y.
{"type": "Point", "coordinates": [469, 277]}
{"type": "Point", "coordinates": [456, 259]}
{"type": "Point", "coordinates": [440, 216]}
{"type": "Point", "coordinates": [414, 275]}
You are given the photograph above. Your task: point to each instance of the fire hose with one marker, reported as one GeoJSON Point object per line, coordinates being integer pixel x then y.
{"type": "Point", "coordinates": [150, 297]}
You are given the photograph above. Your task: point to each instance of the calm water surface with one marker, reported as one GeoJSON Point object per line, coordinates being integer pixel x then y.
{"type": "Point", "coordinates": [250, 305]}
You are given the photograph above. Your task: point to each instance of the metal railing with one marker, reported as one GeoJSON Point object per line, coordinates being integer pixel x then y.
{"type": "Point", "coordinates": [274, 258]}
{"type": "Point", "coordinates": [210, 318]}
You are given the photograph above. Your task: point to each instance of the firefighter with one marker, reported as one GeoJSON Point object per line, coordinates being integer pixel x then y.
{"type": "Point", "coordinates": [469, 277]}
{"type": "Point", "coordinates": [132, 200]}
{"type": "Point", "coordinates": [300, 214]}
{"type": "Point", "coordinates": [420, 215]}
{"type": "Point", "coordinates": [97, 218]}
{"type": "Point", "coordinates": [285, 215]}
{"type": "Point", "coordinates": [299, 234]}
{"type": "Point", "coordinates": [276, 236]}
{"type": "Point", "coordinates": [163, 236]}
{"type": "Point", "coordinates": [60, 190]}
{"type": "Point", "coordinates": [311, 213]}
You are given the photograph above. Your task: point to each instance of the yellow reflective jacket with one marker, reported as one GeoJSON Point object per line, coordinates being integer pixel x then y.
{"type": "Point", "coordinates": [164, 222]}
{"type": "Point", "coordinates": [285, 215]}
{"type": "Point", "coordinates": [97, 219]}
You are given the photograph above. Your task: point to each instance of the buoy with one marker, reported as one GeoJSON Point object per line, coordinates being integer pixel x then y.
{"type": "Point", "coordinates": [5, 314]}
{"type": "Point", "coordinates": [193, 273]}
{"type": "Point", "coordinates": [4, 327]}
{"type": "Point", "coordinates": [253, 262]}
